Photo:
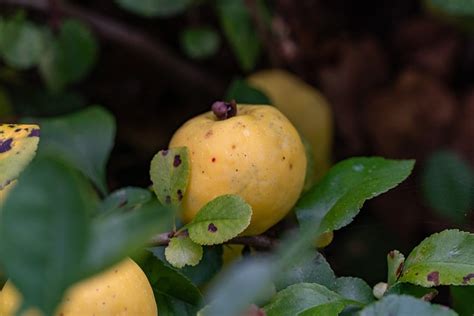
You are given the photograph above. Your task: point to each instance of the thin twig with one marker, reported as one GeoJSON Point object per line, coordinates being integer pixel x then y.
{"type": "Point", "coordinates": [130, 38]}
{"type": "Point", "coordinates": [260, 242]}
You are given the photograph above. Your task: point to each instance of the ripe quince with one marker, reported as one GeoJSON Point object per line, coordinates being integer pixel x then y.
{"type": "Point", "coordinates": [305, 107]}
{"type": "Point", "coordinates": [252, 151]}
{"type": "Point", "coordinates": [121, 290]}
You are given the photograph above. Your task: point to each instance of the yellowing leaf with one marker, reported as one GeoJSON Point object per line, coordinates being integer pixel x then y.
{"type": "Point", "coordinates": [18, 144]}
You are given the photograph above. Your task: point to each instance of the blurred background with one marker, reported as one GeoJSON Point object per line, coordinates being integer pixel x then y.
{"type": "Point", "coordinates": [387, 78]}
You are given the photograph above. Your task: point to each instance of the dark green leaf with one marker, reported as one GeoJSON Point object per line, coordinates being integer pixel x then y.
{"type": "Point", "coordinates": [453, 7]}
{"type": "Point", "coordinates": [84, 139]}
{"type": "Point", "coordinates": [70, 56]}
{"type": "Point", "coordinates": [242, 92]}
{"type": "Point", "coordinates": [182, 251]}
{"type": "Point", "coordinates": [395, 261]}
{"type": "Point", "coordinates": [412, 290]}
{"type": "Point", "coordinates": [354, 289]}
{"type": "Point", "coordinates": [199, 43]}
{"type": "Point", "coordinates": [169, 172]}
{"type": "Point", "coordinates": [447, 183]}
{"type": "Point", "coordinates": [461, 297]}
{"type": "Point", "coordinates": [21, 42]}
{"type": "Point", "coordinates": [150, 8]}
{"type": "Point", "coordinates": [300, 297]}
{"type": "Point", "coordinates": [170, 306]}
{"type": "Point", "coordinates": [44, 232]}
{"type": "Point", "coordinates": [238, 27]}
{"type": "Point", "coordinates": [337, 199]}
{"type": "Point", "coordinates": [210, 264]}
{"type": "Point", "coordinates": [308, 267]}
{"type": "Point", "coordinates": [328, 309]}
{"type": "Point", "coordinates": [231, 292]}
{"type": "Point", "coordinates": [445, 258]}
{"type": "Point", "coordinates": [220, 220]}
{"type": "Point", "coordinates": [125, 199]}
{"type": "Point", "coordinates": [169, 281]}
{"type": "Point", "coordinates": [402, 305]}
{"type": "Point", "coordinates": [118, 235]}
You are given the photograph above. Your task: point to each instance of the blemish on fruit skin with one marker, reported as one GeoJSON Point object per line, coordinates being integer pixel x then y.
{"type": "Point", "coordinates": [213, 159]}
{"type": "Point", "coordinates": [291, 166]}
{"type": "Point", "coordinates": [433, 277]}
{"type": "Point", "coordinates": [176, 161]}
{"type": "Point", "coordinates": [466, 279]}
{"type": "Point", "coordinates": [34, 133]}
{"type": "Point", "coordinates": [164, 152]}
{"type": "Point", "coordinates": [208, 133]}
{"type": "Point", "coordinates": [233, 146]}
{"type": "Point", "coordinates": [180, 194]}
{"type": "Point", "coordinates": [283, 158]}
{"type": "Point", "coordinates": [168, 199]}
{"type": "Point", "coordinates": [5, 145]}
{"type": "Point", "coordinates": [212, 228]}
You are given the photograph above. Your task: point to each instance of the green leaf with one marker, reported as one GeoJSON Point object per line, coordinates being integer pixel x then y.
{"type": "Point", "coordinates": [242, 92]}
{"type": "Point", "coordinates": [119, 235]}
{"type": "Point", "coordinates": [354, 289]}
{"type": "Point", "coordinates": [244, 282]}
{"type": "Point", "coordinates": [207, 268]}
{"type": "Point", "coordinates": [21, 42]}
{"type": "Point", "coordinates": [125, 199]}
{"type": "Point", "coordinates": [445, 258]}
{"type": "Point", "coordinates": [84, 138]}
{"type": "Point", "coordinates": [447, 181]}
{"type": "Point", "coordinates": [328, 309]}
{"type": "Point", "coordinates": [200, 43]}
{"type": "Point", "coordinates": [461, 297]}
{"type": "Point", "coordinates": [183, 251]}
{"type": "Point", "coordinates": [220, 220]}
{"type": "Point", "coordinates": [44, 231]}
{"type": "Point", "coordinates": [170, 306]}
{"type": "Point", "coordinates": [166, 280]}
{"type": "Point", "coordinates": [454, 7]}
{"type": "Point", "coordinates": [240, 32]}
{"type": "Point", "coordinates": [18, 145]}
{"type": "Point", "coordinates": [70, 56]}
{"type": "Point", "coordinates": [403, 305]}
{"type": "Point", "coordinates": [300, 297]}
{"type": "Point", "coordinates": [151, 8]}
{"type": "Point", "coordinates": [169, 172]}
{"type": "Point", "coordinates": [308, 267]}
{"type": "Point", "coordinates": [417, 291]}
{"type": "Point", "coordinates": [395, 261]}
{"type": "Point", "coordinates": [338, 197]}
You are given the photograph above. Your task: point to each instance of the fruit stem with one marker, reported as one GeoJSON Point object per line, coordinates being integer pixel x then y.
{"type": "Point", "coordinates": [224, 110]}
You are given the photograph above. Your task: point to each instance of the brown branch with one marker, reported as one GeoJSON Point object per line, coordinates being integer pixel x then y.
{"type": "Point", "coordinates": [158, 53]}
{"type": "Point", "coordinates": [261, 242]}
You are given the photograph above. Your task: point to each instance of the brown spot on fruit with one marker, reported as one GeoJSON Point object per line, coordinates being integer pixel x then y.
{"type": "Point", "coordinates": [168, 199]}
{"type": "Point", "coordinates": [5, 145]}
{"type": "Point", "coordinates": [212, 228]}
{"type": "Point", "coordinates": [467, 278]}
{"type": "Point", "coordinates": [208, 133]}
{"type": "Point", "coordinates": [233, 146]}
{"type": "Point", "coordinates": [433, 277]}
{"type": "Point", "coordinates": [180, 194]}
{"type": "Point", "coordinates": [176, 161]}
{"type": "Point", "coordinates": [213, 159]}
{"type": "Point", "coordinates": [291, 166]}
{"type": "Point", "coordinates": [17, 130]}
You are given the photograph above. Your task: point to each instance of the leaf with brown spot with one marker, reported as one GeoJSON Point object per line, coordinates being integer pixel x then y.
{"type": "Point", "coordinates": [18, 144]}
{"type": "Point", "coordinates": [395, 260]}
{"type": "Point", "coordinates": [169, 172]}
{"type": "Point", "coordinates": [445, 258]}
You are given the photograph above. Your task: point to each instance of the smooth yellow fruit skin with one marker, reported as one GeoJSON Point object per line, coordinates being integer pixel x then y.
{"type": "Point", "coordinates": [257, 155]}
{"type": "Point", "coordinates": [122, 290]}
{"type": "Point", "coordinates": [305, 107]}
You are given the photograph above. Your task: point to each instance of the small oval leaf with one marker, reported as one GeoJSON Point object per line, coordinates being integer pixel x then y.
{"type": "Point", "coordinates": [395, 261]}
{"type": "Point", "coordinates": [169, 172]}
{"type": "Point", "coordinates": [182, 251]}
{"type": "Point", "coordinates": [445, 258]}
{"type": "Point", "coordinates": [221, 219]}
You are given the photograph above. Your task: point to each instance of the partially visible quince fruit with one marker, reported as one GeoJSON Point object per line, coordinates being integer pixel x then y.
{"type": "Point", "coordinates": [305, 107]}
{"type": "Point", "coordinates": [121, 290]}
{"type": "Point", "coordinates": [256, 153]}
